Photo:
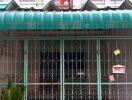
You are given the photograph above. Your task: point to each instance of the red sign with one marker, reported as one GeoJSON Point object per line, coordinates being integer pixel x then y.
{"type": "Point", "coordinates": [65, 3]}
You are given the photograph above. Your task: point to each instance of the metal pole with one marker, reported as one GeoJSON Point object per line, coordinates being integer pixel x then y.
{"type": "Point", "coordinates": [62, 91]}
{"type": "Point", "coordinates": [25, 68]}
{"type": "Point", "coordinates": [99, 70]}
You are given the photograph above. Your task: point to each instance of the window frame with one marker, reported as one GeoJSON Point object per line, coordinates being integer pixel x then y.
{"type": "Point", "coordinates": [113, 1]}
{"type": "Point", "coordinates": [5, 2]}
{"type": "Point", "coordinates": [27, 2]}
{"type": "Point", "coordinates": [116, 2]}
{"type": "Point", "coordinates": [98, 1]}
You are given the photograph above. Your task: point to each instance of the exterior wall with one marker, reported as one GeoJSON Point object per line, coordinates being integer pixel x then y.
{"type": "Point", "coordinates": [11, 62]}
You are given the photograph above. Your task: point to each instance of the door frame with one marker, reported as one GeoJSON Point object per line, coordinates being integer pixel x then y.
{"type": "Point", "coordinates": [99, 87]}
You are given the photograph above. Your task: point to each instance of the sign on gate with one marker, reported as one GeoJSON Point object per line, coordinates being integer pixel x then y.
{"type": "Point", "coordinates": [111, 78]}
{"type": "Point", "coordinates": [117, 52]}
{"type": "Point", "coordinates": [118, 69]}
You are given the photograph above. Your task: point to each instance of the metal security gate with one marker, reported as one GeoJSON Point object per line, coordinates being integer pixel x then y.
{"type": "Point", "coordinates": [68, 68]}
{"type": "Point", "coordinates": [80, 68]}
{"type": "Point", "coordinates": [62, 70]}
{"type": "Point", "coordinates": [44, 74]}
{"type": "Point", "coordinates": [121, 87]}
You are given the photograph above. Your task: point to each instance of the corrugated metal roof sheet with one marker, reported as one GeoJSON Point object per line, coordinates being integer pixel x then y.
{"type": "Point", "coordinates": [31, 20]}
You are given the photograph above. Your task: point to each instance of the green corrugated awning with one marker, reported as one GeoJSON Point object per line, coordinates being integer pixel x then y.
{"type": "Point", "coordinates": [38, 20]}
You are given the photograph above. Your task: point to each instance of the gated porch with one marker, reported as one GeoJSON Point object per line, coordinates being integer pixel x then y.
{"type": "Point", "coordinates": [68, 63]}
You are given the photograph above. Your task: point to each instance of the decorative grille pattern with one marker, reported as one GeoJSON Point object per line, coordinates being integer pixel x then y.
{"type": "Point", "coordinates": [44, 70]}
{"type": "Point", "coordinates": [121, 87]}
{"type": "Point", "coordinates": [80, 68]}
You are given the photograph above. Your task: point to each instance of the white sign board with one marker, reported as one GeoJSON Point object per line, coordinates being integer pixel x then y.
{"type": "Point", "coordinates": [118, 69]}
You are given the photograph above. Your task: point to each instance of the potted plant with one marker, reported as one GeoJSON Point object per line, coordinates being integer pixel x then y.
{"type": "Point", "coordinates": [12, 91]}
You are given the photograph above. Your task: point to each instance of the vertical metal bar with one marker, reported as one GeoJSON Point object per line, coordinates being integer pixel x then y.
{"type": "Point", "coordinates": [52, 59]}
{"type": "Point", "coordinates": [25, 67]}
{"type": "Point", "coordinates": [7, 57]}
{"type": "Point", "coordinates": [16, 73]}
{"type": "Point", "coordinates": [99, 70]}
{"type": "Point", "coordinates": [117, 74]}
{"type": "Point", "coordinates": [81, 71]}
{"type": "Point", "coordinates": [35, 47]}
{"type": "Point", "coordinates": [108, 50]}
{"type": "Point", "coordinates": [125, 48]}
{"type": "Point", "coordinates": [88, 64]}
{"type": "Point", "coordinates": [72, 58]}
{"type": "Point", "coordinates": [44, 58]}
{"type": "Point", "coordinates": [62, 77]}
{"type": "Point", "coordinates": [11, 59]}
